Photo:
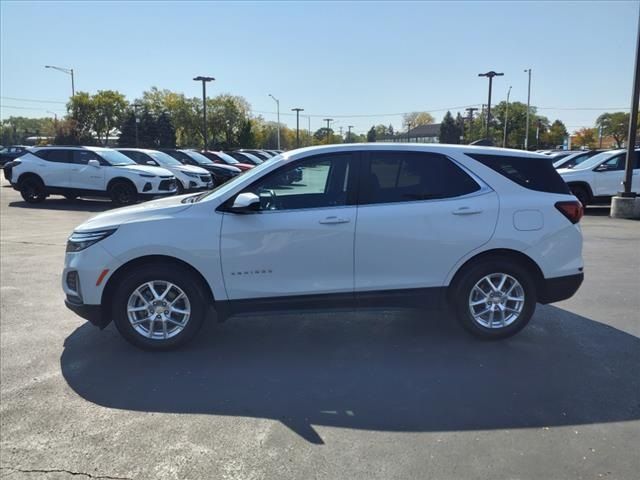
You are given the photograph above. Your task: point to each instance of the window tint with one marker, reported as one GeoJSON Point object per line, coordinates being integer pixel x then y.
{"type": "Point", "coordinates": [409, 176]}
{"type": "Point", "coordinates": [615, 163]}
{"type": "Point", "coordinates": [313, 183]}
{"type": "Point", "coordinates": [56, 155]}
{"type": "Point", "coordinates": [82, 157]}
{"type": "Point", "coordinates": [532, 173]}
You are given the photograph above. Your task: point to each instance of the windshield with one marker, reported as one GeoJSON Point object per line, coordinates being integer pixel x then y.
{"type": "Point", "coordinates": [114, 158]}
{"type": "Point", "coordinates": [164, 159]}
{"type": "Point", "coordinates": [596, 159]}
{"type": "Point", "coordinates": [198, 157]}
{"type": "Point", "coordinates": [227, 158]}
{"type": "Point", "coordinates": [574, 159]}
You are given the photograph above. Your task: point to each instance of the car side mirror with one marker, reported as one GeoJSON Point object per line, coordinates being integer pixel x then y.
{"type": "Point", "coordinates": [602, 168]}
{"type": "Point", "coordinates": [151, 162]}
{"type": "Point", "coordinates": [245, 203]}
{"type": "Point", "coordinates": [93, 163]}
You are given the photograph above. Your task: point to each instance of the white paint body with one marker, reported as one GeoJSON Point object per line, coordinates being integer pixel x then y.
{"type": "Point", "coordinates": [417, 244]}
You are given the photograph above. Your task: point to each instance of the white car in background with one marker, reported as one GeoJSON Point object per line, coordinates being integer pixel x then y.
{"type": "Point", "coordinates": [86, 171]}
{"type": "Point", "coordinates": [600, 177]}
{"type": "Point", "coordinates": [488, 231]}
{"type": "Point", "coordinates": [189, 177]}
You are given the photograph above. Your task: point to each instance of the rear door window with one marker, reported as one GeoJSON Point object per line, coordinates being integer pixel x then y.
{"type": "Point", "coordinates": [532, 173]}
{"type": "Point", "coordinates": [56, 155]}
{"type": "Point", "coordinates": [391, 177]}
{"type": "Point", "coordinates": [82, 157]}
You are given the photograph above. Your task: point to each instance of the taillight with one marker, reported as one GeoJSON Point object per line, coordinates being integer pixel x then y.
{"type": "Point", "coordinates": [573, 210]}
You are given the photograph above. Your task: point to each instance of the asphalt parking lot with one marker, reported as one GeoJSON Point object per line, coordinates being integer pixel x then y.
{"type": "Point", "coordinates": [347, 395]}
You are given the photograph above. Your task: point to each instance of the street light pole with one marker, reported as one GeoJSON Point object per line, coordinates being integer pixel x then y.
{"type": "Point", "coordinates": [68, 71]}
{"type": "Point", "coordinates": [409, 132]}
{"type": "Point", "coordinates": [328, 120]}
{"type": "Point", "coordinates": [526, 135]}
{"type": "Point", "coordinates": [633, 125]}
{"type": "Point", "coordinates": [349, 127]}
{"type": "Point", "coordinates": [204, 81]}
{"type": "Point", "coordinates": [506, 119]}
{"type": "Point", "coordinates": [297, 110]}
{"type": "Point", "coordinates": [278, 108]}
{"type": "Point", "coordinates": [490, 75]}
{"type": "Point", "coordinates": [135, 119]}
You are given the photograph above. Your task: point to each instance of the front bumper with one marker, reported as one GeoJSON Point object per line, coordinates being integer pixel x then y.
{"type": "Point", "coordinates": [91, 313]}
{"type": "Point", "coordinates": [560, 288]}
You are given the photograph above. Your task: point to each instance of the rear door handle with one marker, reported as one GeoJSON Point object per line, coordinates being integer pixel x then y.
{"type": "Point", "coordinates": [334, 220]}
{"type": "Point", "coordinates": [467, 211]}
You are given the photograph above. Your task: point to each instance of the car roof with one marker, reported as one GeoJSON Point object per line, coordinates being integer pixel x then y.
{"type": "Point", "coordinates": [424, 147]}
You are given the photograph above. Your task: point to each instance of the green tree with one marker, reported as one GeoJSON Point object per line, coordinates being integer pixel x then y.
{"type": "Point", "coordinates": [555, 135]}
{"type": "Point", "coordinates": [614, 124]}
{"type": "Point", "coordinates": [147, 131]}
{"type": "Point", "coordinates": [449, 130]}
{"type": "Point", "coordinates": [109, 108]}
{"type": "Point", "coordinates": [371, 135]}
{"type": "Point", "coordinates": [82, 111]}
{"type": "Point", "coordinates": [516, 124]}
{"type": "Point", "coordinates": [128, 131]}
{"type": "Point", "coordinates": [246, 137]}
{"type": "Point", "coordinates": [166, 132]}
{"type": "Point", "coordinates": [415, 119]}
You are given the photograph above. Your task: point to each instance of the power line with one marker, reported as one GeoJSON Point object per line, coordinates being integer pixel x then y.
{"type": "Point", "coordinates": [25, 108]}
{"type": "Point", "coordinates": [33, 100]}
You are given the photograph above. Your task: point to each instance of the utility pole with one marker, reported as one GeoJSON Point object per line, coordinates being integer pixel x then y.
{"type": "Point", "coordinates": [297, 110]}
{"type": "Point", "coordinates": [539, 123]}
{"type": "Point", "coordinates": [349, 133]}
{"type": "Point", "coordinates": [506, 119]}
{"type": "Point", "coordinates": [470, 111]}
{"type": "Point", "coordinates": [341, 131]}
{"type": "Point", "coordinates": [328, 120]}
{"type": "Point", "coordinates": [490, 76]}
{"type": "Point", "coordinates": [409, 124]}
{"type": "Point", "coordinates": [526, 136]}
{"type": "Point", "coordinates": [600, 136]}
{"type": "Point", "coordinates": [278, 109]}
{"type": "Point", "coordinates": [310, 135]}
{"type": "Point", "coordinates": [204, 81]}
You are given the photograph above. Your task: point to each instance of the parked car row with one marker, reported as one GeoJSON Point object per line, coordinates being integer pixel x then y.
{"type": "Point", "coordinates": [125, 175]}
{"type": "Point", "coordinates": [596, 178]}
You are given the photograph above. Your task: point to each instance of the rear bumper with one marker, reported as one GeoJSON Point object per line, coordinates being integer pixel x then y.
{"type": "Point", "coordinates": [560, 288]}
{"type": "Point", "coordinates": [91, 313]}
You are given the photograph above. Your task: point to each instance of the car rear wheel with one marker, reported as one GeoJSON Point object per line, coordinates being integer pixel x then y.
{"type": "Point", "coordinates": [32, 190]}
{"type": "Point", "coordinates": [494, 298]}
{"type": "Point", "coordinates": [581, 194]}
{"type": "Point", "coordinates": [159, 307]}
{"type": "Point", "coordinates": [123, 193]}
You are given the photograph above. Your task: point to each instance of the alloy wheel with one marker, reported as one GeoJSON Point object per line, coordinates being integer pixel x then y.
{"type": "Point", "coordinates": [496, 300]}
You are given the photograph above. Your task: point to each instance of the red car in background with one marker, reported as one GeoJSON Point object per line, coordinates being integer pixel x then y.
{"type": "Point", "coordinates": [221, 157]}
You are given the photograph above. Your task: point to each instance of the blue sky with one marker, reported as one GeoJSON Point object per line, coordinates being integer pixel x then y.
{"type": "Point", "coordinates": [330, 58]}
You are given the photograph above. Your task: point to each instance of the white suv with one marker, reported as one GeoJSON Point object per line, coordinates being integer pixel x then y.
{"type": "Point", "coordinates": [600, 177]}
{"type": "Point", "coordinates": [189, 178]}
{"type": "Point", "coordinates": [90, 171]}
{"type": "Point", "coordinates": [489, 231]}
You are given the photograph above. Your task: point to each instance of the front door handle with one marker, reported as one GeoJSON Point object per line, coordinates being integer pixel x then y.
{"type": "Point", "coordinates": [334, 220]}
{"type": "Point", "coordinates": [467, 211]}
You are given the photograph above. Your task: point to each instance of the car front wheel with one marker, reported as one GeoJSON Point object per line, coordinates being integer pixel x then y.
{"type": "Point", "coordinates": [32, 190]}
{"type": "Point", "coordinates": [123, 193]}
{"type": "Point", "coordinates": [494, 298]}
{"type": "Point", "coordinates": [159, 307]}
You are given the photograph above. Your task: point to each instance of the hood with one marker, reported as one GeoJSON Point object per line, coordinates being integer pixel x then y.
{"type": "Point", "coordinates": [191, 169]}
{"type": "Point", "coordinates": [147, 211]}
{"type": "Point", "coordinates": [159, 171]}
{"type": "Point", "coordinates": [221, 167]}
{"type": "Point", "coordinates": [567, 171]}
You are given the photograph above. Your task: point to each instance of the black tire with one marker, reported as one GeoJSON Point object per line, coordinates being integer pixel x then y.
{"type": "Point", "coordinates": [179, 188]}
{"type": "Point", "coordinates": [123, 193]}
{"type": "Point", "coordinates": [465, 282]}
{"type": "Point", "coordinates": [32, 190]}
{"type": "Point", "coordinates": [175, 274]}
{"type": "Point", "coordinates": [581, 194]}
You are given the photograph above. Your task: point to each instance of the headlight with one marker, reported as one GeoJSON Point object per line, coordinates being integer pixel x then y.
{"type": "Point", "coordinates": [81, 240]}
{"type": "Point", "coordinates": [147, 175]}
